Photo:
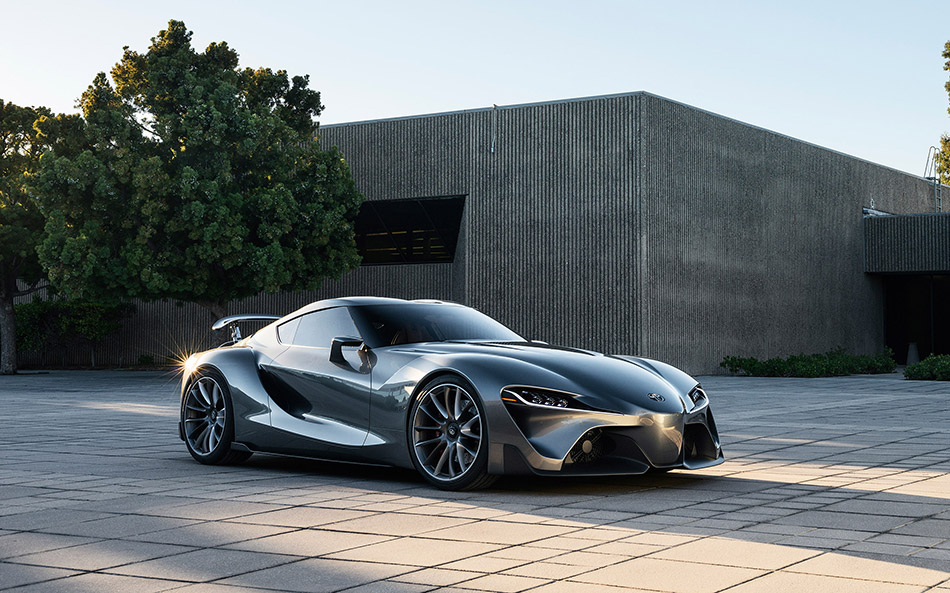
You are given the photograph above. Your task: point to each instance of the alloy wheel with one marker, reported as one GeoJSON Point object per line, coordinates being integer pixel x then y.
{"type": "Point", "coordinates": [205, 415]}
{"type": "Point", "coordinates": [446, 432]}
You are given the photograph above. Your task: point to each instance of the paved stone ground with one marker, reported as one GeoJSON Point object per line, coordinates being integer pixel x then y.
{"type": "Point", "coordinates": [830, 485]}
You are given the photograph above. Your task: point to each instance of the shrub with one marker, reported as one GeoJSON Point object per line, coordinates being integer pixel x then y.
{"type": "Point", "coordinates": [47, 325]}
{"type": "Point", "coordinates": [36, 325]}
{"type": "Point", "coordinates": [934, 367]}
{"type": "Point", "coordinates": [833, 363]}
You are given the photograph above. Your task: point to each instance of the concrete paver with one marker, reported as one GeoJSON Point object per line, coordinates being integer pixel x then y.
{"type": "Point", "coordinates": [743, 554]}
{"type": "Point", "coordinates": [100, 555]}
{"type": "Point", "coordinates": [485, 563]}
{"type": "Point", "coordinates": [572, 587]}
{"type": "Point", "coordinates": [841, 565]}
{"type": "Point", "coordinates": [839, 484]}
{"type": "Point", "coordinates": [785, 582]}
{"type": "Point", "coordinates": [204, 565]}
{"type": "Point", "coordinates": [440, 577]}
{"type": "Point", "coordinates": [389, 587]}
{"type": "Point", "coordinates": [309, 542]}
{"type": "Point", "coordinates": [26, 542]}
{"type": "Point", "coordinates": [210, 534]}
{"type": "Point", "coordinates": [503, 583]}
{"type": "Point", "coordinates": [301, 517]}
{"type": "Point", "coordinates": [547, 570]}
{"type": "Point", "coordinates": [95, 582]}
{"type": "Point", "coordinates": [316, 575]}
{"type": "Point", "coordinates": [416, 551]}
{"type": "Point", "coordinates": [399, 524]}
{"type": "Point", "coordinates": [669, 575]}
{"type": "Point", "coordinates": [21, 574]}
{"type": "Point", "coordinates": [499, 532]}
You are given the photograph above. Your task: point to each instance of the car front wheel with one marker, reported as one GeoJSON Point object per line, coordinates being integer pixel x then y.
{"type": "Point", "coordinates": [448, 435]}
{"type": "Point", "coordinates": [207, 420]}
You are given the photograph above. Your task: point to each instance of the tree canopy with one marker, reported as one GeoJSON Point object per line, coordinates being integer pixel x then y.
{"type": "Point", "coordinates": [943, 157]}
{"type": "Point", "coordinates": [21, 223]}
{"type": "Point", "coordinates": [189, 178]}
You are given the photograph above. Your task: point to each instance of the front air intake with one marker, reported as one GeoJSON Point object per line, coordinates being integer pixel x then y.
{"type": "Point", "coordinates": [698, 444]}
{"type": "Point", "coordinates": [589, 448]}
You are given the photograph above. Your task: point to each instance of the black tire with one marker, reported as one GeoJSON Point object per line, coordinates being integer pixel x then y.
{"type": "Point", "coordinates": [207, 419]}
{"type": "Point", "coordinates": [445, 420]}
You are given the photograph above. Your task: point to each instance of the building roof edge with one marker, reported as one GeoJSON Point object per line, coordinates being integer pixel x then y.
{"type": "Point", "coordinates": [617, 96]}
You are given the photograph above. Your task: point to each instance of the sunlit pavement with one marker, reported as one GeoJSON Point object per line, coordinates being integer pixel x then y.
{"type": "Point", "coordinates": [830, 485]}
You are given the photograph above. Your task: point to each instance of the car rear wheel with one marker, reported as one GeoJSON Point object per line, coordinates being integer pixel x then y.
{"type": "Point", "coordinates": [207, 420]}
{"type": "Point", "coordinates": [448, 435]}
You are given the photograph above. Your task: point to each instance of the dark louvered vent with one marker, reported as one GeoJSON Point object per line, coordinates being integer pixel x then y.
{"type": "Point", "coordinates": [414, 231]}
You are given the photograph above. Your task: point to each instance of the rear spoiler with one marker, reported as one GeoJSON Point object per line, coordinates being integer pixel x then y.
{"type": "Point", "coordinates": [232, 321]}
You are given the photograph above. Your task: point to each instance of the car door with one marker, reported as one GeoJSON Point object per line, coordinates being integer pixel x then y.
{"type": "Point", "coordinates": [318, 398]}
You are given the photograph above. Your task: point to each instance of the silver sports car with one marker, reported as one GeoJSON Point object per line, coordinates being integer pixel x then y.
{"type": "Point", "coordinates": [442, 388]}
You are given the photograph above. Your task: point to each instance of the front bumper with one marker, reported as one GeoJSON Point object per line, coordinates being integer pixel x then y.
{"type": "Point", "coordinates": [588, 443]}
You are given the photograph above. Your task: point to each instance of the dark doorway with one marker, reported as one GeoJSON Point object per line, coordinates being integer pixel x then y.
{"type": "Point", "coordinates": [917, 310]}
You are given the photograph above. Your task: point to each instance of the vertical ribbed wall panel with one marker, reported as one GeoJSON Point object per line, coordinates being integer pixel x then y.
{"type": "Point", "coordinates": [754, 242]}
{"type": "Point", "coordinates": [552, 218]}
{"type": "Point", "coordinates": [406, 158]}
{"type": "Point", "coordinates": [907, 244]}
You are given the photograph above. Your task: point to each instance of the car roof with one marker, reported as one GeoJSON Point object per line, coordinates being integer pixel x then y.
{"type": "Point", "coordinates": [359, 301]}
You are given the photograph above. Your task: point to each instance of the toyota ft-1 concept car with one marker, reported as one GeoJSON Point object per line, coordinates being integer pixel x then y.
{"type": "Point", "coordinates": [442, 388]}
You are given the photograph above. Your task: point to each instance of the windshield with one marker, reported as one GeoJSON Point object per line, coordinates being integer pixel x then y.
{"type": "Point", "coordinates": [412, 323]}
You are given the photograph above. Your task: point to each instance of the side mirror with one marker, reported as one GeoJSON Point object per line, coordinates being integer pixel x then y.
{"type": "Point", "coordinates": [336, 348]}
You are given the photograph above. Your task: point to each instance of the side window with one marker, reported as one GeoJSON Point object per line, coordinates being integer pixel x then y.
{"type": "Point", "coordinates": [286, 331]}
{"type": "Point", "coordinates": [318, 329]}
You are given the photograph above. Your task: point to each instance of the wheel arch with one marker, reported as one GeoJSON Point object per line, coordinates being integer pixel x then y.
{"type": "Point", "coordinates": [428, 377]}
{"type": "Point", "coordinates": [212, 440]}
{"type": "Point", "coordinates": [239, 368]}
{"type": "Point", "coordinates": [482, 477]}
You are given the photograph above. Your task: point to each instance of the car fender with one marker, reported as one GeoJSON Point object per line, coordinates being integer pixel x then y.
{"type": "Point", "coordinates": [249, 400]}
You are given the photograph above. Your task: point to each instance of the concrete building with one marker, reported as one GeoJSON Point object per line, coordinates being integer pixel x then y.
{"type": "Point", "coordinates": [629, 224]}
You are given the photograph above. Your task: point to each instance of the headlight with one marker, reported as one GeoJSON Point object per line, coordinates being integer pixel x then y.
{"type": "Point", "coordinates": [697, 395]}
{"type": "Point", "coordinates": [534, 397]}
{"type": "Point", "coordinates": [542, 398]}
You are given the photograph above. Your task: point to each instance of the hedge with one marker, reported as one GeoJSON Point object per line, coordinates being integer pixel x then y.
{"type": "Point", "coordinates": [935, 367]}
{"type": "Point", "coordinates": [830, 364]}
{"type": "Point", "coordinates": [59, 324]}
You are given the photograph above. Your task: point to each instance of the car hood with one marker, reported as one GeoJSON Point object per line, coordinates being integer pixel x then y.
{"type": "Point", "coordinates": [606, 382]}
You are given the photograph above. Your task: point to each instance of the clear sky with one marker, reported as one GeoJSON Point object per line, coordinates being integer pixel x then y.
{"type": "Point", "coordinates": [865, 78]}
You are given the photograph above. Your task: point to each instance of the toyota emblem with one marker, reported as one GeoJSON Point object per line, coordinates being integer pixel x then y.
{"type": "Point", "coordinates": [656, 397]}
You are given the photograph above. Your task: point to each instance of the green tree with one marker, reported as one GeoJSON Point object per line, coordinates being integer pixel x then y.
{"type": "Point", "coordinates": [21, 223]}
{"type": "Point", "coordinates": [943, 157]}
{"type": "Point", "coordinates": [194, 180]}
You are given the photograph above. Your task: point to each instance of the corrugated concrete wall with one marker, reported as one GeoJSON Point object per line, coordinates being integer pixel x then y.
{"type": "Point", "coordinates": [546, 244]}
{"type": "Point", "coordinates": [628, 224]}
{"type": "Point", "coordinates": [753, 241]}
{"type": "Point", "coordinates": [907, 244]}
{"type": "Point", "coordinates": [552, 219]}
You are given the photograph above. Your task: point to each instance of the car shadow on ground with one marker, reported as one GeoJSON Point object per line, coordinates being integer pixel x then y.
{"type": "Point", "coordinates": [683, 502]}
